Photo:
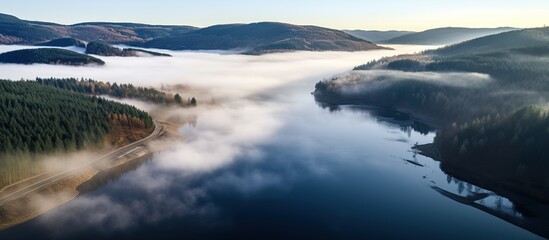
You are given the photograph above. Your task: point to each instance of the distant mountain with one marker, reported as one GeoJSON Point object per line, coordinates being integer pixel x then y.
{"type": "Point", "coordinates": [446, 36]}
{"type": "Point", "coordinates": [64, 42]}
{"type": "Point", "coordinates": [526, 38]}
{"type": "Point", "coordinates": [105, 49]}
{"type": "Point", "coordinates": [508, 56]}
{"type": "Point", "coordinates": [48, 56]}
{"type": "Point", "coordinates": [255, 38]}
{"type": "Point", "coordinates": [264, 37]}
{"type": "Point", "coordinates": [16, 31]}
{"type": "Point", "coordinates": [377, 36]}
{"type": "Point", "coordinates": [127, 33]}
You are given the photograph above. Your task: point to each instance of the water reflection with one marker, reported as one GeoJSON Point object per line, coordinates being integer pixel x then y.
{"type": "Point", "coordinates": [514, 207]}
{"type": "Point", "coordinates": [523, 211]}
{"type": "Point", "coordinates": [407, 122]}
{"type": "Point", "coordinates": [272, 167]}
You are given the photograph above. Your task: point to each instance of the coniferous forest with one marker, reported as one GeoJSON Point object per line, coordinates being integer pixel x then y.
{"type": "Point", "coordinates": [93, 87]}
{"type": "Point", "coordinates": [38, 118]}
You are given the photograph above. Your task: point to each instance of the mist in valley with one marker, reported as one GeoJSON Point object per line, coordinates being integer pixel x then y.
{"type": "Point", "coordinates": [241, 106]}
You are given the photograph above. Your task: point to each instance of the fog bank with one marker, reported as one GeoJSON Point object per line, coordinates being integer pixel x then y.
{"type": "Point", "coordinates": [233, 128]}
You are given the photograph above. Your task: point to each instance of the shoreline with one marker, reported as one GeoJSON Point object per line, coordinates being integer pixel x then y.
{"type": "Point", "coordinates": [35, 202]}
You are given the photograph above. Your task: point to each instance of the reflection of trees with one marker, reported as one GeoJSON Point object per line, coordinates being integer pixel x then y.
{"type": "Point", "coordinates": [528, 212]}
{"type": "Point", "coordinates": [499, 202]}
{"type": "Point", "coordinates": [461, 187]}
{"type": "Point", "coordinates": [534, 223]}
{"type": "Point", "coordinates": [404, 121]}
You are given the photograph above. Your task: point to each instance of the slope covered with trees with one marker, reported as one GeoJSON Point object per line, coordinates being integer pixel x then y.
{"type": "Point", "coordinates": [264, 37]}
{"type": "Point", "coordinates": [494, 128]}
{"type": "Point", "coordinates": [48, 56]}
{"type": "Point", "coordinates": [16, 31]}
{"type": "Point", "coordinates": [64, 42]}
{"type": "Point", "coordinates": [255, 38]}
{"type": "Point", "coordinates": [511, 147]}
{"type": "Point", "coordinates": [105, 49]}
{"type": "Point", "coordinates": [37, 118]}
{"type": "Point", "coordinates": [445, 36]}
{"type": "Point", "coordinates": [92, 87]}
{"type": "Point", "coordinates": [506, 40]}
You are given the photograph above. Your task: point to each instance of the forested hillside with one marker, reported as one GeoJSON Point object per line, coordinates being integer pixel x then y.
{"type": "Point", "coordinates": [445, 36]}
{"type": "Point", "coordinates": [490, 94]}
{"type": "Point", "coordinates": [48, 56]}
{"type": "Point", "coordinates": [93, 87]}
{"type": "Point", "coordinates": [64, 42]}
{"type": "Point", "coordinates": [264, 37]}
{"type": "Point", "coordinates": [17, 31]}
{"type": "Point", "coordinates": [39, 119]}
{"type": "Point", "coordinates": [105, 49]}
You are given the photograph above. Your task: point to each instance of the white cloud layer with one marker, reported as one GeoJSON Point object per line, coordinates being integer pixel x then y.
{"type": "Point", "coordinates": [235, 127]}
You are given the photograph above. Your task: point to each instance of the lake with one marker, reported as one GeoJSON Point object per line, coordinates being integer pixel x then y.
{"type": "Point", "coordinates": [268, 162]}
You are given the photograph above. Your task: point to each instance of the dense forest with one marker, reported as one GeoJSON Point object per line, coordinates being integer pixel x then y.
{"type": "Point", "coordinates": [18, 31]}
{"type": "Point", "coordinates": [263, 37]}
{"type": "Point", "coordinates": [48, 56]}
{"type": "Point", "coordinates": [105, 49]}
{"type": "Point", "coordinates": [511, 147]}
{"type": "Point", "coordinates": [93, 87]}
{"type": "Point", "coordinates": [38, 118]}
{"type": "Point", "coordinates": [516, 61]}
{"type": "Point", "coordinates": [64, 42]}
{"type": "Point", "coordinates": [137, 52]}
{"type": "Point", "coordinates": [497, 128]}
{"type": "Point", "coordinates": [15, 31]}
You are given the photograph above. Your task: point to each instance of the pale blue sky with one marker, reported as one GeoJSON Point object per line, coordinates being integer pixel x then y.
{"type": "Point", "coordinates": [342, 14]}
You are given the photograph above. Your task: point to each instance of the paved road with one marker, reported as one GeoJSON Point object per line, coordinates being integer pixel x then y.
{"type": "Point", "coordinates": [116, 154]}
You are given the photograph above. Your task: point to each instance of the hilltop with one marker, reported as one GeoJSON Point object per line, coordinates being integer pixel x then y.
{"type": "Point", "coordinates": [63, 42]}
{"type": "Point", "coordinates": [48, 56]}
{"type": "Point", "coordinates": [445, 36]}
{"type": "Point", "coordinates": [17, 31]}
{"type": "Point", "coordinates": [264, 37]}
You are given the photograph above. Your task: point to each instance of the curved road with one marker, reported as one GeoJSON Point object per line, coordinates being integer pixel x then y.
{"type": "Point", "coordinates": [118, 153]}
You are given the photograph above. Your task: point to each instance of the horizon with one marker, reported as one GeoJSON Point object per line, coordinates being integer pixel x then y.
{"type": "Point", "coordinates": [426, 14]}
{"type": "Point", "coordinates": [227, 23]}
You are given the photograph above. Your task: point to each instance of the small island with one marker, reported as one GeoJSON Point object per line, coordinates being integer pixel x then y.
{"type": "Point", "coordinates": [48, 56]}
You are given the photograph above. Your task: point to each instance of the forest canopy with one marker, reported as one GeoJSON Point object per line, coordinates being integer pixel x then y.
{"type": "Point", "coordinates": [48, 56]}
{"type": "Point", "coordinates": [38, 118]}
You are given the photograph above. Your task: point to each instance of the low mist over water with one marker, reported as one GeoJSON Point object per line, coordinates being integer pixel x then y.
{"type": "Point", "coordinates": [263, 160]}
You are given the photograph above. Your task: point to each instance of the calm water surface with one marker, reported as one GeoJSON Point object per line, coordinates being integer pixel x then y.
{"type": "Point", "coordinates": [316, 173]}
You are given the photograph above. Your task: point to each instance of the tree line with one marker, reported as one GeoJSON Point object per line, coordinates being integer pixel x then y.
{"type": "Point", "coordinates": [93, 87]}
{"type": "Point", "coordinates": [38, 118]}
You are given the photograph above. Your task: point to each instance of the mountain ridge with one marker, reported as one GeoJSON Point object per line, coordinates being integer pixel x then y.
{"type": "Point", "coordinates": [446, 35]}
{"type": "Point", "coordinates": [264, 37]}
{"type": "Point", "coordinates": [18, 31]}
{"type": "Point", "coordinates": [377, 36]}
{"type": "Point", "coordinates": [253, 38]}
